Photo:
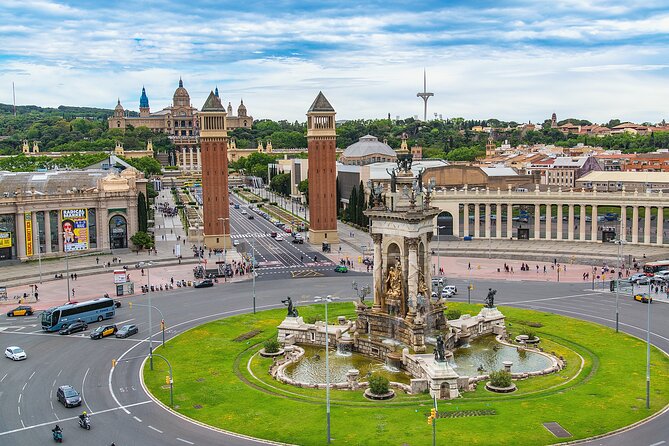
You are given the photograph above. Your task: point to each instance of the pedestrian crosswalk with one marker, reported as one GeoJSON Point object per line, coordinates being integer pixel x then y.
{"type": "Point", "coordinates": [250, 235]}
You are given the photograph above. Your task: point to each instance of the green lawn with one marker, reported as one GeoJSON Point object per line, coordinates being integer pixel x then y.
{"type": "Point", "coordinates": [219, 380]}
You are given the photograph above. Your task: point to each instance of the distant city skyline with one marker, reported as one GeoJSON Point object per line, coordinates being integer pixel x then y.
{"type": "Point", "coordinates": [514, 61]}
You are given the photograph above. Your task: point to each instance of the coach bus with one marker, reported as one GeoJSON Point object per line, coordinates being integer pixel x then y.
{"type": "Point", "coordinates": [55, 318]}
{"type": "Point", "coordinates": [651, 268]}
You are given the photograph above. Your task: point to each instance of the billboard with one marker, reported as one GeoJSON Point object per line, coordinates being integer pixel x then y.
{"type": "Point", "coordinates": [75, 229]}
{"type": "Point", "coordinates": [29, 233]}
{"type": "Point", "coordinates": [5, 239]}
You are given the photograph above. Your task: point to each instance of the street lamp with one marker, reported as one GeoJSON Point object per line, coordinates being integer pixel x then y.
{"type": "Point", "coordinates": [67, 265]}
{"type": "Point", "coordinates": [647, 350]}
{"type": "Point", "coordinates": [438, 249]}
{"type": "Point", "coordinates": [148, 273]}
{"type": "Point", "coordinates": [225, 250]}
{"type": "Point", "coordinates": [620, 243]}
{"type": "Point", "coordinates": [326, 299]}
{"type": "Point", "coordinates": [39, 249]}
{"type": "Point", "coordinates": [361, 292]}
{"type": "Point", "coordinates": [253, 271]}
{"type": "Point", "coordinates": [162, 318]}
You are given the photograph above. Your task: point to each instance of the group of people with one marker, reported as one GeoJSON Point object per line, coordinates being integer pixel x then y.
{"type": "Point", "coordinates": [167, 210]}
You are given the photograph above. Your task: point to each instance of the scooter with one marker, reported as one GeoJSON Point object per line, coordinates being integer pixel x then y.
{"type": "Point", "coordinates": [85, 422]}
{"type": "Point", "coordinates": [57, 436]}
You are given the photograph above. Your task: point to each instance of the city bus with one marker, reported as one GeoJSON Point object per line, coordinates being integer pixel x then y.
{"type": "Point", "coordinates": [55, 318]}
{"type": "Point", "coordinates": [656, 267]}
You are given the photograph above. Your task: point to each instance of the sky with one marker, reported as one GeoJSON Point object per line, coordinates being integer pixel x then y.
{"type": "Point", "coordinates": [512, 60]}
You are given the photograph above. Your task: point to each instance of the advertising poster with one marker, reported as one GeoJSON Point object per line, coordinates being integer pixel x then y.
{"type": "Point", "coordinates": [75, 229]}
{"type": "Point", "coordinates": [5, 239]}
{"type": "Point", "coordinates": [29, 233]}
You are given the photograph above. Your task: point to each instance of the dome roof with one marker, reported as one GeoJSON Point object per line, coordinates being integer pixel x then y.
{"type": "Point", "coordinates": [118, 106]}
{"type": "Point", "coordinates": [241, 110]}
{"type": "Point", "coordinates": [181, 92]}
{"type": "Point", "coordinates": [368, 145]}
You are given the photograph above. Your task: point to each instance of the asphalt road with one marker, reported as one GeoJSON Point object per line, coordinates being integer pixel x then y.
{"type": "Point", "coordinates": [123, 413]}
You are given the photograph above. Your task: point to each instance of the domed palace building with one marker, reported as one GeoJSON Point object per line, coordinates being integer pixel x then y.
{"type": "Point", "coordinates": [179, 121]}
{"type": "Point", "coordinates": [367, 150]}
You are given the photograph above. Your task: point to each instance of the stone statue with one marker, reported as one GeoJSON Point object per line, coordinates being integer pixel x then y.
{"type": "Point", "coordinates": [394, 283]}
{"type": "Point", "coordinates": [490, 298]}
{"type": "Point", "coordinates": [292, 311]}
{"type": "Point", "coordinates": [393, 180]}
{"type": "Point", "coordinates": [440, 350]}
{"type": "Point", "coordinates": [420, 180]}
{"type": "Point", "coordinates": [422, 286]}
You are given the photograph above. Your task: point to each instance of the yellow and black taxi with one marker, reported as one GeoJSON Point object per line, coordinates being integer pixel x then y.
{"type": "Point", "coordinates": [643, 298]}
{"type": "Point", "coordinates": [103, 331]}
{"type": "Point", "coordinates": [21, 310]}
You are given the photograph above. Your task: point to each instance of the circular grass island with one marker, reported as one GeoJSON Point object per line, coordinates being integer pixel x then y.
{"type": "Point", "coordinates": [220, 379]}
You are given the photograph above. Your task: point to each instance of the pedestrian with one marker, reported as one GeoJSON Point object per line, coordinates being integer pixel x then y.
{"type": "Point", "coordinates": [97, 260]}
{"type": "Point", "coordinates": [72, 293]}
{"type": "Point", "coordinates": [36, 296]}
{"type": "Point", "coordinates": [75, 276]}
{"type": "Point", "coordinates": [469, 265]}
{"type": "Point", "coordinates": [142, 272]}
{"type": "Point", "coordinates": [544, 269]}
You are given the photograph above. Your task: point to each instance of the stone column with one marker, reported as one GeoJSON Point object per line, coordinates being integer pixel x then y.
{"type": "Point", "coordinates": [549, 223]}
{"type": "Point", "coordinates": [537, 222]}
{"type": "Point", "coordinates": [646, 226]}
{"type": "Point", "coordinates": [412, 278]}
{"type": "Point", "coordinates": [623, 223]}
{"type": "Point", "coordinates": [635, 224]}
{"type": "Point", "coordinates": [378, 272]}
{"type": "Point", "coordinates": [199, 158]}
{"type": "Point", "coordinates": [581, 235]}
{"type": "Point", "coordinates": [47, 231]}
{"type": "Point", "coordinates": [509, 221]}
{"type": "Point", "coordinates": [183, 158]}
{"type": "Point", "coordinates": [498, 220]}
{"type": "Point", "coordinates": [570, 222]}
{"type": "Point", "coordinates": [487, 220]}
{"type": "Point", "coordinates": [477, 218]}
{"type": "Point", "coordinates": [61, 248]}
{"type": "Point", "coordinates": [20, 234]}
{"type": "Point", "coordinates": [465, 219]}
{"type": "Point", "coordinates": [103, 231]}
{"type": "Point", "coordinates": [659, 240]}
{"type": "Point", "coordinates": [594, 224]}
{"type": "Point", "coordinates": [190, 151]}
{"type": "Point", "coordinates": [559, 222]}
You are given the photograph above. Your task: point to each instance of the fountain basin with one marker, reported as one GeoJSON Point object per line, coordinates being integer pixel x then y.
{"type": "Point", "coordinates": [386, 396]}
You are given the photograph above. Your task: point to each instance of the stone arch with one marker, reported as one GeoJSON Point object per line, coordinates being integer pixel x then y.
{"type": "Point", "coordinates": [445, 219]}
{"type": "Point", "coordinates": [118, 232]}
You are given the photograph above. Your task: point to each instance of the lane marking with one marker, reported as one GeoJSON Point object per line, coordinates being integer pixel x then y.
{"type": "Point", "coordinates": [20, 397]}
{"type": "Point", "coordinates": [3, 378]}
{"type": "Point", "coordinates": [70, 419]}
{"type": "Point", "coordinates": [82, 390]}
{"type": "Point", "coordinates": [157, 430]}
{"type": "Point", "coordinates": [31, 375]}
{"type": "Point", "coordinates": [61, 371]}
{"type": "Point", "coordinates": [19, 408]}
{"type": "Point", "coordinates": [654, 444]}
{"type": "Point", "coordinates": [51, 404]}
{"type": "Point", "coordinates": [190, 442]}
{"type": "Point", "coordinates": [22, 424]}
{"type": "Point", "coordinates": [138, 420]}
{"type": "Point", "coordinates": [552, 298]}
{"type": "Point", "coordinates": [24, 386]}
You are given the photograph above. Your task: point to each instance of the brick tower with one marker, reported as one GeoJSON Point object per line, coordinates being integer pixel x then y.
{"type": "Point", "coordinates": [214, 149]}
{"type": "Point", "coordinates": [322, 145]}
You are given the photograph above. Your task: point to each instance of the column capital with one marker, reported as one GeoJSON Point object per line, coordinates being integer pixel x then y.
{"type": "Point", "coordinates": [412, 242]}
{"type": "Point", "coordinates": [377, 238]}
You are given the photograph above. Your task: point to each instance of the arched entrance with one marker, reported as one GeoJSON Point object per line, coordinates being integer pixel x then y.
{"type": "Point", "coordinates": [445, 223]}
{"type": "Point", "coordinates": [118, 232]}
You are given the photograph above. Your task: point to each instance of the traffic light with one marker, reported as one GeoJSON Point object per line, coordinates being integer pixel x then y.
{"type": "Point", "coordinates": [429, 421]}
{"type": "Point", "coordinates": [433, 413]}
{"type": "Point", "coordinates": [130, 305]}
{"type": "Point", "coordinates": [113, 363]}
{"type": "Point", "coordinates": [167, 379]}
{"type": "Point", "coordinates": [162, 324]}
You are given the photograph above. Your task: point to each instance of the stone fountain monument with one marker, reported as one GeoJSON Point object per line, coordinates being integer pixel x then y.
{"type": "Point", "coordinates": [401, 229]}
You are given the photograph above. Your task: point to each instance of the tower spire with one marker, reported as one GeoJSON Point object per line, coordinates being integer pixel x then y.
{"type": "Point", "coordinates": [424, 94]}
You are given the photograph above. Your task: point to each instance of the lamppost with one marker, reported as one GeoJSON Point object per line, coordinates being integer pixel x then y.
{"type": "Point", "coordinates": [326, 299]}
{"type": "Point", "coordinates": [253, 271]}
{"type": "Point", "coordinates": [39, 250]}
{"type": "Point", "coordinates": [647, 350]}
{"type": "Point", "coordinates": [361, 292]}
{"type": "Point", "coordinates": [620, 243]}
{"type": "Point", "coordinates": [149, 264]}
{"type": "Point", "coordinates": [162, 318]}
{"type": "Point", "coordinates": [438, 249]}
{"type": "Point", "coordinates": [225, 250]}
{"type": "Point", "coordinates": [67, 265]}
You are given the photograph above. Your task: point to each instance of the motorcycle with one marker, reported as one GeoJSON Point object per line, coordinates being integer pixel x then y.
{"type": "Point", "coordinates": [57, 436]}
{"type": "Point", "coordinates": [85, 422]}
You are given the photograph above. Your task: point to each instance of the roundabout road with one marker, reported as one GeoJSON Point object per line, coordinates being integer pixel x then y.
{"type": "Point", "coordinates": [123, 413]}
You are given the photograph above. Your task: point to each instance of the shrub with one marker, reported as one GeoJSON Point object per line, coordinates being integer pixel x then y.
{"type": "Point", "coordinates": [500, 378]}
{"type": "Point", "coordinates": [378, 385]}
{"type": "Point", "coordinates": [265, 200]}
{"type": "Point", "coordinates": [529, 333]}
{"type": "Point", "coordinates": [271, 346]}
{"type": "Point", "coordinates": [273, 203]}
{"type": "Point", "coordinates": [453, 314]}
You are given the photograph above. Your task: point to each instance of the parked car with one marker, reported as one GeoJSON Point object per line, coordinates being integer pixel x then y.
{"type": "Point", "coordinates": [15, 353]}
{"type": "Point", "coordinates": [206, 283]}
{"type": "Point", "coordinates": [73, 328]}
{"type": "Point", "coordinates": [68, 396]}
{"type": "Point", "coordinates": [341, 269]}
{"type": "Point", "coordinates": [21, 310]}
{"type": "Point", "coordinates": [643, 298]}
{"type": "Point", "coordinates": [127, 330]}
{"type": "Point", "coordinates": [103, 331]}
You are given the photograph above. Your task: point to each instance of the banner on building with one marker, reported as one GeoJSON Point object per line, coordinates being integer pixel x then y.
{"type": "Point", "coordinates": [5, 239]}
{"type": "Point", "coordinates": [29, 233]}
{"type": "Point", "coordinates": [75, 229]}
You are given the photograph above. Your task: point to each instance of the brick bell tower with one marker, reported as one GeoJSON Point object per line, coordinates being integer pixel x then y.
{"type": "Point", "coordinates": [322, 145]}
{"type": "Point", "coordinates": [214, 150]}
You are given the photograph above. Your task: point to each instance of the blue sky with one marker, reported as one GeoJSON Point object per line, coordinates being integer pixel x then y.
{"type": "Point", "coordinates": [513, 60]}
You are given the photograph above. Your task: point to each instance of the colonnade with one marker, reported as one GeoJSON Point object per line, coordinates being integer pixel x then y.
{"type": "Point", "coordinates": [637, 218]}
{"type": "Point", "coordinates": [191, 158]}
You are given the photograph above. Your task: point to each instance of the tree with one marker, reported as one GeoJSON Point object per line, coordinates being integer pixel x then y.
{"type": "Point", "coordinates": [147, 165]}
{"type": "Point", "coordinates": [280, 183]}
{"type": "Point", "coordinates": [142, 240]}
{"type": "Point", "coordinates": [352, 206]}
{"type": "Point", "coordinates": [361, 219]}
{"type": "Point", "coordinates": [303, 187]}
{"type": "Point", "coordinates": [142, 213]}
